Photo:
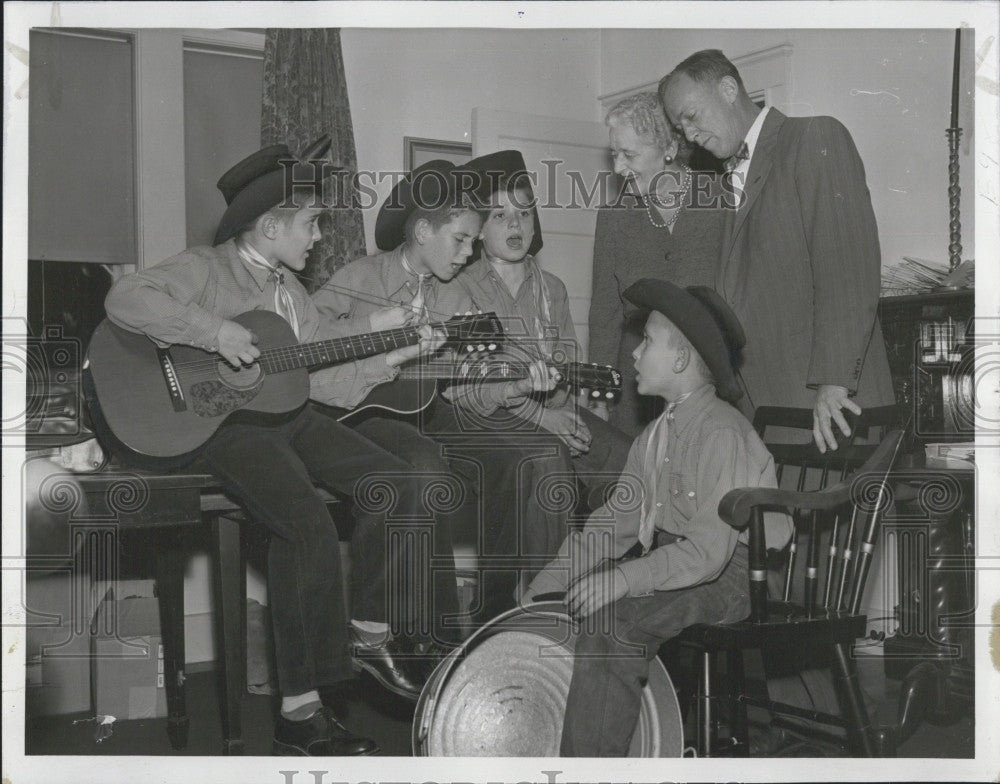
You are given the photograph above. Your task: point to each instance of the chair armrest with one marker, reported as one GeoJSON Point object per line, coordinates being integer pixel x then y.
{"type": "Point", "coordinates": [736, 505]}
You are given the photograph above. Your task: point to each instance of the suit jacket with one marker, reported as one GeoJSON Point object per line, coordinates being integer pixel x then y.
{"type": "Point", "coordinates": [801, 267]}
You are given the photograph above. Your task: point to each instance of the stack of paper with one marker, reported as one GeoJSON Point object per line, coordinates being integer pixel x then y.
{"type": "Point", "coordinates": [950, 455]}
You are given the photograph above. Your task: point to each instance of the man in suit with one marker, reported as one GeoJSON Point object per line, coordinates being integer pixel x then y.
{"type": "Point", "coordinates": [800, 263]}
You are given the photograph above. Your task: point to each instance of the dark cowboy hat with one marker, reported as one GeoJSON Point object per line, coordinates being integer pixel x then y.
{"type": "Point", "coordinates": [705, 319]}
{"type": "Point", "coordinates": [259, 182]}
{"type": "Point", "coordinates": [430, 186]}
{"type": "Point", "coordinates": [505, 166]}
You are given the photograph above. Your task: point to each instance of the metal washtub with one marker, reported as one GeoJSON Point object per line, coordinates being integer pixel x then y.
{"type": "Point", "coordinates": [503, 693]}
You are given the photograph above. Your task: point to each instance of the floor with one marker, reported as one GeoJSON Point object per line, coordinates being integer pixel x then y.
{"type": "Point", "coordinates": [389, 722]}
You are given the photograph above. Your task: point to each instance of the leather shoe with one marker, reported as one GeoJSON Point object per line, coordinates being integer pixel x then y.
{"type": "Point", "coordinates": [431, 655]}
{"type": "Point", "coordinates": [321, 735]}
{"type": "Point", "coordinates": [394, 664]}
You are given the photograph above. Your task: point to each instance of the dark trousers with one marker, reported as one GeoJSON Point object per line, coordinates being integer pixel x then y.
{"type": "Point", "coordinates": [423, 566]}
{"type": "Point", "coordinates": [615, 646]}
{"type": "Point", "coordinates": [271, 465]}
{"type": "Point", "coordinates": [525, 486]}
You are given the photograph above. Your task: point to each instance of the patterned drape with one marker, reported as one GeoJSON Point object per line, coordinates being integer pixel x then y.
{"type": "Point", "coordinates": [305, 96]}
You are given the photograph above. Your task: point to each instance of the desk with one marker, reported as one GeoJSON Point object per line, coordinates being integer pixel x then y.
{"type": "Point", "coordinates": [934, 528]}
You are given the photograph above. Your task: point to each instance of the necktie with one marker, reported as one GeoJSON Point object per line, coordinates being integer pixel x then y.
{"type": "Point", "coordinates": [418, 303]}
{"type": "Point", "coordinates": [283, 304]}
{"type": "Point", "coordinates": [656, 451]}
{"type": "Point", "coordinates": [742, 154]}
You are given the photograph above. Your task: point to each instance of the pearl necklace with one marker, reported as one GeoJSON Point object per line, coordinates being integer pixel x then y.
{"type": "Point", "coordinates": [669, 223]}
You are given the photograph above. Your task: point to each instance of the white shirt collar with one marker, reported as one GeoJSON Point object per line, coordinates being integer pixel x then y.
{"type": "Point", "coordinates": [751, 140]}
{"type": "Point", "coordinates": [422, 276]}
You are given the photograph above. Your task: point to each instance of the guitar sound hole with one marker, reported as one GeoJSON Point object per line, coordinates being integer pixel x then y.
{"type": "Point", "coordinates": [239, 378]}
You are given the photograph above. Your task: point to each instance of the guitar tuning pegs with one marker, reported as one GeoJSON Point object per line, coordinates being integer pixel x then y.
{"type": "Point", "coordinates": [493, 346]}
{"type": "Point", "coordinates": [595, 393]}
{"type": "Point", "coordinates": [609, 395]}
{"type": "Point", "coordinates": [470, 348]}
{"type": "Point", "coordinates": [482, 347]}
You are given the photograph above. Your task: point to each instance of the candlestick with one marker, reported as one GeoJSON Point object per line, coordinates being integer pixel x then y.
{"type": "Point", "coordinates": [954, 78]}
{"type": "Point", "coordinates": [954, 200]}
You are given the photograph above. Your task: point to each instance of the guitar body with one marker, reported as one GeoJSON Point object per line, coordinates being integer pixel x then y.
{"type": "Point", "coordinates": [168, 402]}
{"type": "Point", "coordinates": [409, 396]}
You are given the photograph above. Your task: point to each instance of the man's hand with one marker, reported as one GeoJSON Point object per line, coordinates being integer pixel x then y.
{"type": "Point", "coordinates": [237, 344]}
{"type": "Point", "coordinates": [591, 592]}
{"type": "Point", "coordinates": [430, 341]}
{"type": "Point", "coordinates": [830, 399]}
{"type": "Point", "coordinates": [566, 423]}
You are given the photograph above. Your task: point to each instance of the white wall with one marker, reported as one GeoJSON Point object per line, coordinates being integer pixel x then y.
{"type": "Point", "coordinates": [436, 78]}
{"type": "Point", "coordinates": [429, 90]}
{"type": "Point", "coordinates": [891, 88]}
{"type": "Point", "coordinates": [425, 83]}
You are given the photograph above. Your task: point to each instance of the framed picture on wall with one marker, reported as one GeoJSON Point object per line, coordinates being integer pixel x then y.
{"type": "Point", "coordinates": [417, 152]}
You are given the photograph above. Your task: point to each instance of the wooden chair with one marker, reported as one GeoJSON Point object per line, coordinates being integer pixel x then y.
{"type": "Point", "coordinates": [820, 606]}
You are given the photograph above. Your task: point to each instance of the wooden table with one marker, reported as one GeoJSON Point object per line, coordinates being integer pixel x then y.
{"type": "Point", "coordinates": [161, 506]}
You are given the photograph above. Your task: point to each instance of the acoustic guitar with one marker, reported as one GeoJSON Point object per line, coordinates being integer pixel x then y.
{"type": "Point", "coordinates": [416, 386]}
{"type": "Point", "coordinates": [167, 402]}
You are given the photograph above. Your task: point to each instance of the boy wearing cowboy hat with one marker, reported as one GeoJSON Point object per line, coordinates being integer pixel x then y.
{"type": "Point", "coordinates": [425, 229]}
{"type": "Point", "coordinates": [688, 566]}
{"type": "Point", "coordinates": [535, 431]}
{"type": "Point", "coordinates": [270, 462]}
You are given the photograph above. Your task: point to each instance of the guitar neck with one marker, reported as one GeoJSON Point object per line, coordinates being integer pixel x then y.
{"type": "Point", "coordinates": [322, 352]}
{"type": "Point", "coordinates": [495, 370]}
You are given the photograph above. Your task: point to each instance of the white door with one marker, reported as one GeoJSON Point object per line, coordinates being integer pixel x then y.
{"type": "Point", "coordinates": [569, 157]}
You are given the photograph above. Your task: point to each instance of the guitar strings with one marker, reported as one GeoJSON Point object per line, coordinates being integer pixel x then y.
{"type": "Point", "coordinates": [209, 364]}
{"type": "Point", "coordinates": [206, 368]}
{"type": "Point", "coordinates": [278, 353]}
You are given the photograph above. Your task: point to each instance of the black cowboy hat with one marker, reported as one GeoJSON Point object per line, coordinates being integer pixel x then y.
{"type": "Point", "coordinates": [430, 186]}
{"type": "Point", "coordinates": [506, 166]}
{"type": "Point", "coordinates": [706, 321]}
{"type": "Point", "coordinates": [258, 182]}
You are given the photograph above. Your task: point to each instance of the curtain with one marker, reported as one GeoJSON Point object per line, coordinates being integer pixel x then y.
{"type": "Point", "coordinates": [305, 96]}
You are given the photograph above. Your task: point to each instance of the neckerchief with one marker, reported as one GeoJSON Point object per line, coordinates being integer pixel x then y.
{"type": "Point", "coordinates": [656, 452]}
{"type": "Point", "coordinates": [283, 304]}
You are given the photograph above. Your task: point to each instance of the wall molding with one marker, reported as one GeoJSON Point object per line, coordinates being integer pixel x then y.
{"type": "Point", "coordinates": [234, 43]}
{"type": "Point", "coordinates": [764, 71]}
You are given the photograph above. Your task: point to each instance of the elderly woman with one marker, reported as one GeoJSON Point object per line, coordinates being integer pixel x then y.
{"type": "Point", "coordinates": [650, 231]}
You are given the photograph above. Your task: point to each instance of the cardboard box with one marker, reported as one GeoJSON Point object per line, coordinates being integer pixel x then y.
{"type": "Point", "coordinates": [126, 669]}
{"type": "Point", "coordinates": [58, 610]}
